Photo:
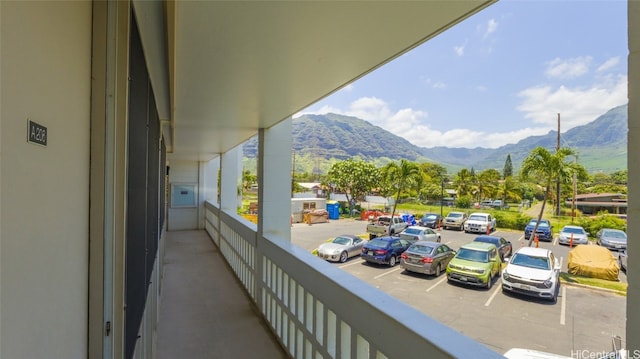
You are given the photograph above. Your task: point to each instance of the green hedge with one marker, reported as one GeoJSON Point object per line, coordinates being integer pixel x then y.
{"type": "Point", "coordinates": [593, 225]}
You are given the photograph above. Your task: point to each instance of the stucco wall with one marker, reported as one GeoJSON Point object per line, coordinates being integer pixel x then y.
{"type": "Point", "coordinates": [183, 173]}
{"type": "Point", "coordinates": [45, 77]}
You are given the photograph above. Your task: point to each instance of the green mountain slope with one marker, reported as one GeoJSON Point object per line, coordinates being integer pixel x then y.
{"type": "Point", "coordinates": [319, 140]}
{"type": "Point", "coordinates": [601, 144]}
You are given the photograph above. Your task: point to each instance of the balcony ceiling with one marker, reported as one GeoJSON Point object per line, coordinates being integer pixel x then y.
{"type": "Point", "coordinates": [234, 67]}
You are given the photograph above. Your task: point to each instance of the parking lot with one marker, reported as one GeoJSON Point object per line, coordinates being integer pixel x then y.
{"type": "Point", "coordinates": [583, 319]}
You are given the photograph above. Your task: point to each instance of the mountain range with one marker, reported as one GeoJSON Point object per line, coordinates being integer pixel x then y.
{"type": "Point", "coordinates": [319, 140]}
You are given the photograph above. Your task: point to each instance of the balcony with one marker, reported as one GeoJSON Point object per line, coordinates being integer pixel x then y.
{"type": "Point", "coordinates": [226, 287]}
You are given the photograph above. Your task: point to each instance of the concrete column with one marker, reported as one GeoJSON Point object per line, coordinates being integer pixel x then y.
{"type": "Point", "coordinates": [274, 184]}
{"type": "Point", "coordinates": [633, 166]}
{"type": "Point", "coordinates": [230, 175]}
{"type": "Point", "coordinates": [210, 184]}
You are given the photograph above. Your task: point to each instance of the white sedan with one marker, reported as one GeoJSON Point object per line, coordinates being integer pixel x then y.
{"type": "Point", "coordinates": [418, 233]}
{"type": "Point", "coordinates": [534, 272]}
{"type": "Point", "coordinates": [341, 248]}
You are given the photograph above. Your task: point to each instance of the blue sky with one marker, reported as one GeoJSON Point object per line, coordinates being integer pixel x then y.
{"type": "Point", "coordinates": [499, 76]}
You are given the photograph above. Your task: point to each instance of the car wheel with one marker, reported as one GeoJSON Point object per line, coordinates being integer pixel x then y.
{"type": "Point", "coordinates": [392, 232]}
{"type": "Point", "coordinates": [489, 282]}
{"type": "Point", "coordinates": [438, 270]}
{"type": "Point", "coordinates": [554, 297]}
{"type": "Point", "coordinates": [343, 257]}
{"type": "Point", "coordinates": [392, 261]}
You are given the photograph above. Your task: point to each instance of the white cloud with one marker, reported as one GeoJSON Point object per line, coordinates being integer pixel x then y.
{"type": "Point", "coordinates": [492, 26]}
{"type": "Point", "coordinates": [439, 85]}
{"type": "Point", "coordinates": [411, 125]}
{"type": "Point", "coordinates": [577, 106]}
{"type": "Point", "coordinates": [459, 50]}
{"type": "Point", "coordinates": [348, 88]}
{"type": "Point", "coordinates": [568, 68]}
{"type": "Point", "coordinates": [610, 63]}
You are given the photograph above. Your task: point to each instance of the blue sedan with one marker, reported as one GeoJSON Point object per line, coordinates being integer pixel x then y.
{"type": "Point", "coordinates": [384, 250]}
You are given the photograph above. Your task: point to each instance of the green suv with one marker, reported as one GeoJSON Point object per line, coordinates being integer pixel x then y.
{"type": "Point", "coordinates": [476, 263]}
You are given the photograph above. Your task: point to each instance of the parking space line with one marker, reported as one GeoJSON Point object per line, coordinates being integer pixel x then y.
{"type": "Point", "coordinates": [351, 264]}
{"type": "Point", "coordinates": [493, 295]}
{"type": "Point", "coordinates": [388, 272]}
{"type": "Point", "coordinates": [555, 241]}
{"type": "Point", "coordinates": [439, 282]}
{"type": "Point", "coordinates": [563, 307]}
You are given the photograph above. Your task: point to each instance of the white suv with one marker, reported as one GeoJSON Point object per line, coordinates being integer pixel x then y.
{"type": "Point", "coordinates": [534, 272]}
{"type": "Point", "coordinates": [480, 223]}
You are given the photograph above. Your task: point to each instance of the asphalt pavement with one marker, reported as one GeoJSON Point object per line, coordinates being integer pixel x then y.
{"type": "Point", "coordinates": [583, 319]}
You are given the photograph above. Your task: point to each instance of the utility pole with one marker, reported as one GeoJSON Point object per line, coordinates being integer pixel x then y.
{"type": "Point", "coordinates": [558, 179]}
{"type": "Point", "coordinates": [575, 192]}
{"type": "Point", "coordinates": [293, 172]}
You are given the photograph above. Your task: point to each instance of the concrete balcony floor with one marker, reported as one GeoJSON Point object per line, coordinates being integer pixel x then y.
{"type": "Point", "coordinates": [204, 310]}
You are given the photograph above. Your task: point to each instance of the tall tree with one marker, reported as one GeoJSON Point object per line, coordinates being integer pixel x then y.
{"type": "Point", "coordinates": [354, 178]}
{"type": "Point", "coordinates": [508, 167]}
{"type": "Point", "coordinates": [547, 168]}
{"type": "Point", "coordinates": [463, 182]}
{"type": "Point", "coordinates": [509, 189]}
{"type": "Point", "coordinates": [399, 177]}
{"type": "Point", "coordinates": [486, 183]}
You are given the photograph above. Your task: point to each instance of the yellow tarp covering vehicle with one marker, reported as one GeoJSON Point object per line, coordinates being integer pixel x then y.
{"type": "Point", "coordinates": [593, 262]}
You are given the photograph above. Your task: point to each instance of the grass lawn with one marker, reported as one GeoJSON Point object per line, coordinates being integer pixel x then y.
{"type": "Point", "coordinates": [619, 287]}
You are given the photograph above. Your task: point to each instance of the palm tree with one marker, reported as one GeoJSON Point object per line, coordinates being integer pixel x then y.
{"type": "Point", "coordinates": [463, 182]}
{"type": "Point", "coordinates": [509, 189]}
{"type": "Point", "coordinates": [547, 168]}
{"type": "Point", "coordinates": [400, 177]}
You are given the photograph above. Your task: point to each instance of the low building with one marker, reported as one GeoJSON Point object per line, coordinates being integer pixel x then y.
{"type": "Point", "coordinates": [593, 203]}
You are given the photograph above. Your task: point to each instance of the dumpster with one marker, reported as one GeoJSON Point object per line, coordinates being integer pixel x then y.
{"type": "Point", "coordinates": [333, 207]}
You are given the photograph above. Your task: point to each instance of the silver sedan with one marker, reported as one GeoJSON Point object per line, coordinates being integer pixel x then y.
{"type": "Point", "coordinates": [341, 248]}
{"type": "Point", "coordinates": [573, 235]}
{"type": "Point", "coordinates": [419, 233]}
{"type": "Point", "coordinates": [614, 239]}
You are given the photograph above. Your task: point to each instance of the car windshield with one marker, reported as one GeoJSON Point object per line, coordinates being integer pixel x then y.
{"type": "Point", "coordinates": [530, 261]}
{"type": "Point", "coordinates": [430, 216]}
{"type": "Point", "coordinates": [615, 234]}
{"type": "Point", "coordinates": [412, 231]}
{"type": "Point", "coordinates": [473, 255]}
{"type": "Point", "coordinates": [420, 248]}
{"type": "Point", "coordinates": [342, 240]}
{"type": "Point", "coordinates": [477, 218]}
{"type": "Point", "coordinates": [573, 230]}
{"type": "Point", "coordinates": [455, 215]}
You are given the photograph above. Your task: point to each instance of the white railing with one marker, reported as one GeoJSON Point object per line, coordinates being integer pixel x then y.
{"type": "Point", "coordinates": [319, 311]}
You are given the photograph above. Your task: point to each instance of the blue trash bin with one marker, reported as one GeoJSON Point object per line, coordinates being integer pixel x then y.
{"type": "Point", "coordinates": [334, 210]}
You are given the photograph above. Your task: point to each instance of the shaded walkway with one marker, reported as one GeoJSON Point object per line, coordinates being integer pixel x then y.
{"type": "Point", "coordinates": [204, 311]}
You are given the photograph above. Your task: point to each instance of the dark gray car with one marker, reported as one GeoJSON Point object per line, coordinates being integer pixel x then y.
{"type": "Point", "coordinates": [427, 257]}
